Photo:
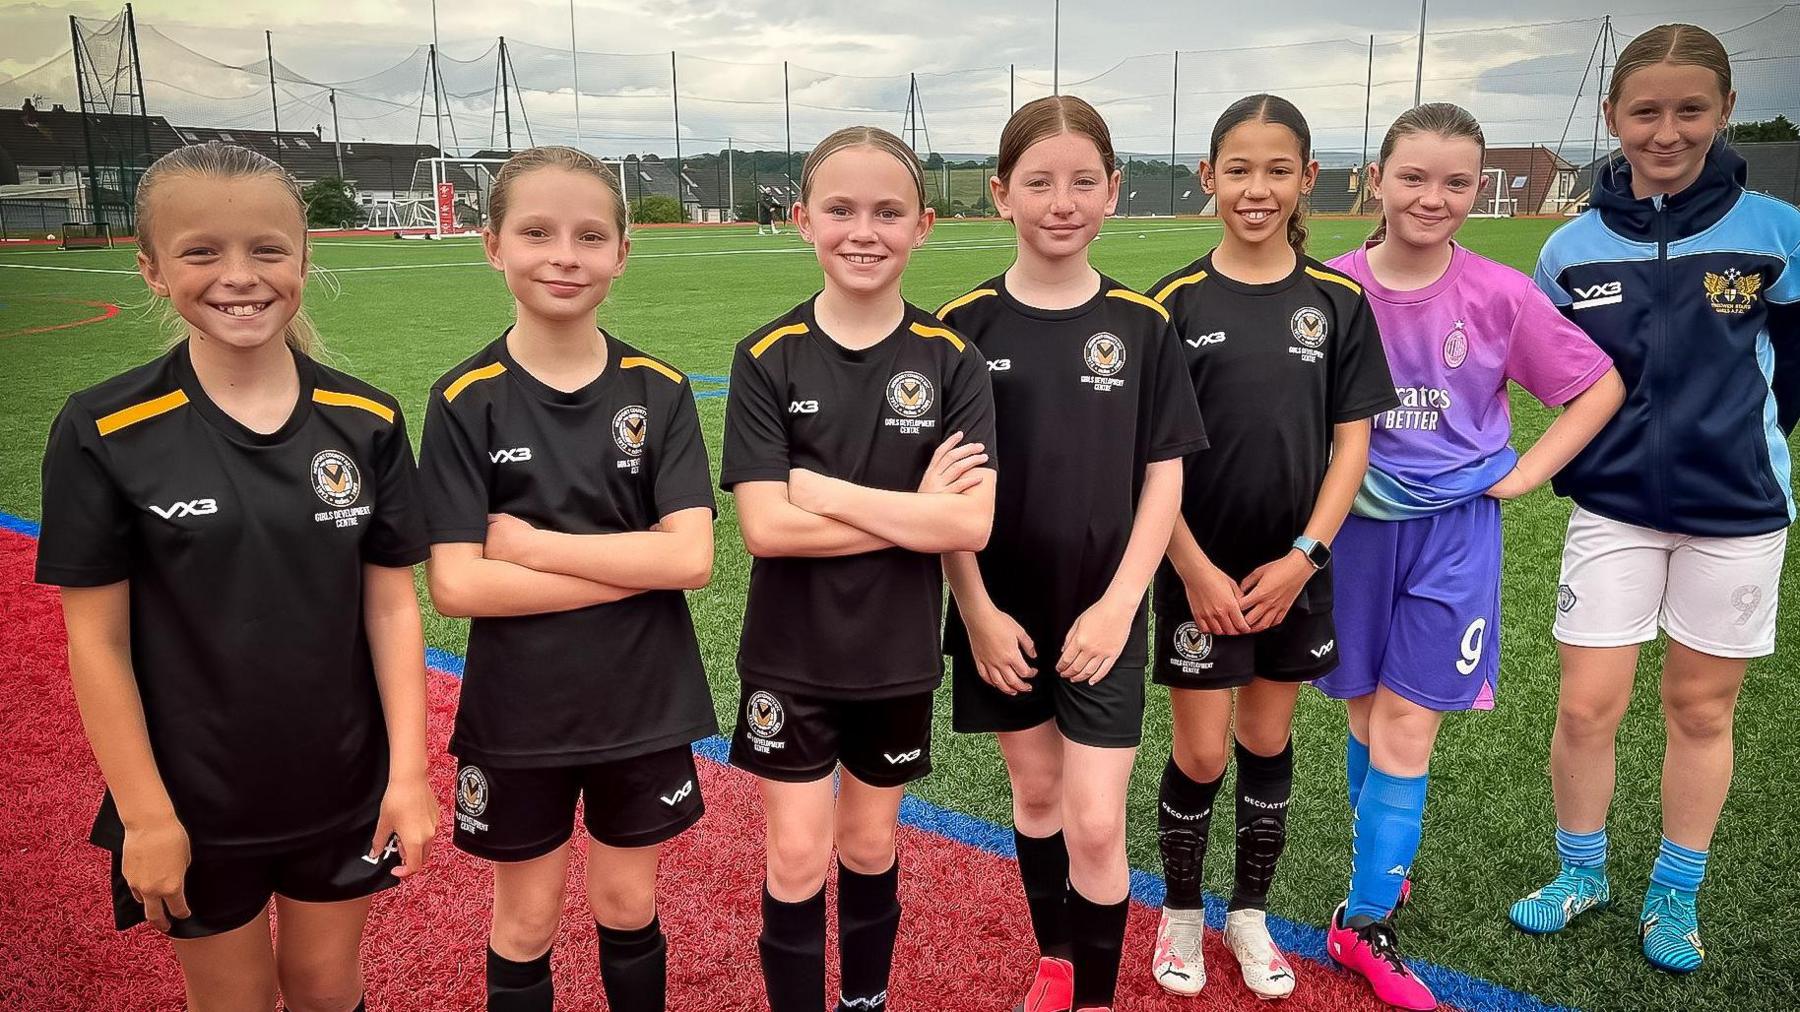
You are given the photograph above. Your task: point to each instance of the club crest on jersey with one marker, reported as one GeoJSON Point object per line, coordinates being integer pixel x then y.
{"type": "Point", "coordinates": [1191, 643]}
{"type": "Point", "coordinates": [471, 791]}
{"type": "Point", "coordinates": [1733, 292]}
{"type": "Point", "coordinates": [1104, 354]}
{"type": "Point", "coordinates": [1310, 326]}
{"type": "Point", "coordinates": [763, 713]}
{"type": "Point", "coordinates": [631, 428]}
{"type": "Point", "coordinates": [335, 478]}
{"type": "Point", "coordinates": [1456, 346]}
{"type": "Point", "coordinates": [909, 394]}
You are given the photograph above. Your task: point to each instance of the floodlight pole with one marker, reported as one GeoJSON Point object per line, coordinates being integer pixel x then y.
{"type": "Point", "coordinates": [274, 107]}
{"type": "Point", "coordinates": [337, 148]}
{"type": "Point", "coordinates": [730, 177]}
{"type": "Point", "coordinates": [1600, 91]}
{"type": "Point", "coordinates": [1368, 87]}
{"type": "Point", "coordinates": [787, 116]}
{"type": "Point", "coordinates": [675, 100]}
{"type": "Point", "coordinates": [1419, 73]}
{"type": "Point", "coordinates": [1011, 89]}
{"type": "Point", "coordinates": [1174, 113]}
{"type": "Point", "coordinates": [87, 137]}
{"type": "Point", "coordinates": [505, 99]}
{"type": "Point", "coordinates": [437, 116]}
{"type": "Point", "coordinates": [575, 72]}
{"type": "Point", "coordinates": [1056, 48]}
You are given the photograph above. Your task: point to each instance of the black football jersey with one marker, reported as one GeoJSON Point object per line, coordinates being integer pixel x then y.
{"type": "Point", "coordinates": [1084, 400]}
{"type": "Point", "coordinates": [244, 552]}
{"type": "Point", "coordinates": [858, 625]}
{"type": "Point", "coordinates": [593, 684]}
{"type": "Point", "coordinates": [1275, 367]}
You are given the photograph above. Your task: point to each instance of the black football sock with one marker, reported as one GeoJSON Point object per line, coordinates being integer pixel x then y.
{"type": "Point", "coordinates": [1044, 867]}
{"type": "Point", "coordinates": [868, 921]}
{"type": "Point", "coordinates": [1183, 817]}
{"type": "Point", "coordinates": [519, 986]}
{"type": "Point", "coordinates": [1265, 783]}
{"type": "Point", "coordinates": [1098, 938]}
{"type": "Point", "coordinates": [634, 967]}
{"type": "Point", "coordinates": [792, 946]}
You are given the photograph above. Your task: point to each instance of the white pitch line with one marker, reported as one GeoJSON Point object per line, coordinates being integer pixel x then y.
{"type": "Point", "coordinates": [943, 247]}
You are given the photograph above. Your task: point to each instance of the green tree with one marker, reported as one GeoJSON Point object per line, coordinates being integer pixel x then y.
{"type": "Point", "coordinates": [1778, 129]}
{"type": "Point", "coordinates": [330, 203]}
{"type": "Point", "coordinates": [656, 208]}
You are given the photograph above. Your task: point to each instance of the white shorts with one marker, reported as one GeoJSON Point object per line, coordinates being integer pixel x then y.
{"type": "Point", "coordinates": [1714, 595]}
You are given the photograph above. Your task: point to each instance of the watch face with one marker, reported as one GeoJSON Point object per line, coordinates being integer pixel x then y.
{"type": "Point", "coordinates": [1319, 554]}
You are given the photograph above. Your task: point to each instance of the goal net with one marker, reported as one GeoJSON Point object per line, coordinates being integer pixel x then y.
{"type": "Point", "coordinates": [1495, 200]}
{"type": "Point", "coordinates": [449, 196]}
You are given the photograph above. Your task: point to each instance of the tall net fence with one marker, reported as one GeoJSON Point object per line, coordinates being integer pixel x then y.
{"type": "Point", "coordinates": [728, 135]}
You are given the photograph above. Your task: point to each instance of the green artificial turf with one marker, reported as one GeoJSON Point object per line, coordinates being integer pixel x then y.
{"type": "Point", "coordinates": [689, 296]}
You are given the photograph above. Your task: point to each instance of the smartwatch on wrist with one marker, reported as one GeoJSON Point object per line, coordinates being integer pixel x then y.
{"type": "Point", "coordinates": [1317, 552]}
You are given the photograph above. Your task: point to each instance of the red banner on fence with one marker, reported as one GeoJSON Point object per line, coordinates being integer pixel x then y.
{"type": "Point", "coordinates": [446, 207]}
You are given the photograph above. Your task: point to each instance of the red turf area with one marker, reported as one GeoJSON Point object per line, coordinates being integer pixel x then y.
{"type": "Point", "coordinates": [962, 942]}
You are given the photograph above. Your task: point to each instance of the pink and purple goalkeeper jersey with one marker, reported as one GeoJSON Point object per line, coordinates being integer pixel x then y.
{"type": "Point", "coordinates": [1451, 347]}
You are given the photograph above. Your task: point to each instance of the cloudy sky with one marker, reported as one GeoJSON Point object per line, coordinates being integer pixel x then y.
{"type": "Point", "coordinates": [1520, 71]}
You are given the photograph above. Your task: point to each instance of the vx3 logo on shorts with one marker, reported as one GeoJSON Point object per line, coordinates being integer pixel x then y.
{"type": "Point", "coordinates": [191, 508]}
{"type": "Point", "coordinates": [1216, 337]}
{"type": "Point", "coordinates": [1606, 293]}
{"type": "Point", "coordinates": [902, 758]}
{"type": "Point", "coordinates": [517, 455]}
{"type": "Point", "coordinates": [873, 1001]}
{"type": "Point", "coordinates": [392, 848]}
{"type": "Point", "coordinates": [675, 799]}
{"type": "Point", "coordinates": [1327, 647]}
{"type": "Point", "coordinates": [803, 407]}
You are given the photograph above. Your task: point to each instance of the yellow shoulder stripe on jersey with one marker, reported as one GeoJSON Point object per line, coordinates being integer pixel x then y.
{"type": "Point", "coordinates": [343, 400]}
{"type": "Point", "coordinates": [139, 412]}
{"type": "Point", "coordinates": [640, 362]}
{"type": "Point", "coordinates": [924, 331]}
{"type": "Point", "coordinates": [473, 376]}
{"type": "Point", "coordinates": [1335, 278]}
{"type": "Point", "coordinates": [1143, 300]}
{"type": "Point", "coordinates": [963, 300]}
{"type": "Point", "coordinates": [757, 349]}
{"type": "Point", "coordinates": [1194, 278]}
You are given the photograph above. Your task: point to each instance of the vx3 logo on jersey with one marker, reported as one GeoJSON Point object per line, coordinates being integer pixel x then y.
{"type": "Point", "coordinates": [902, 758]}
{"type": "Point", "coordinates": [1204, 340]}
{"type": "Point", "coordinates": [1327, 647]}
{"type": "Point", "coordinates": [675, 799]}
{"type": "Point", "coordinates": [517, 455]}
{"type": "Point", "coordinates": [191, 508]}
{"type": "Point", "coordinates": [803, 407]}
{"type": "Point", "coordinates": [1607, 293]}
{"type": "Point", "coordinates": [999, 365]}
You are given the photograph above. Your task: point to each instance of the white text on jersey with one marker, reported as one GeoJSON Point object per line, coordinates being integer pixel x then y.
{"type": "Point", "coordinates": [803, 407]}
{"type": "Point", "coordinates": [1607, 293]}
{"type": "Point", "coordinates": [1216, 337]}
{"type": "Point", "coordinates": [517, 455]}
{"type": "Point", "coordinates": [999, 364]}
{"type": "Point", "coordinates": [191, 508]}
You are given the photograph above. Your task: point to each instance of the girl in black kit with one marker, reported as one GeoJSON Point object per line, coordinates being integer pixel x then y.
{"type": "Point", "coordinates": [234, 528]}
{"type": "Point", "coordinates": [570, 506]}
{"type": "Point", "coordinates": [854, 442]}
{"type": "Point", "coordinates": [1095, 411]}
{"type": "Point", "coordinates": [1289, 370]}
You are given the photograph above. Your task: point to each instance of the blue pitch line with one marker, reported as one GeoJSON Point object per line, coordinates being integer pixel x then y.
{"type": "Point", "coordinates": [1451, 986]}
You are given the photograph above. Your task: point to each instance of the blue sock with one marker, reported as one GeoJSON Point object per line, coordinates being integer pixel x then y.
{"type": "Point", "coordinates": [1582, 850]}
{"type": "Point", "coordinates": [1679, 869]}
{"type": "Point", "coordinates": [1356, 767]}
{"type": "Point", "coordinates": [1390, 818]}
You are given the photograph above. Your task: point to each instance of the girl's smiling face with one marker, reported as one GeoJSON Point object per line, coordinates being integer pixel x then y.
{"type": "Point", "coordinates": [1428, 187]}
{"type": "Point", "coordinates": [229, 254]}
{"type": "Point", "coordinates": [1058, 195]}
{"type": "Point", "coordinates": [1259, 177]}
{"type": "Point", "coordinates": [863, 218]}
{"type": "Point", "coordinates": [1666, 118]}
{"type": "Point", "coordinates": [558, 244]}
